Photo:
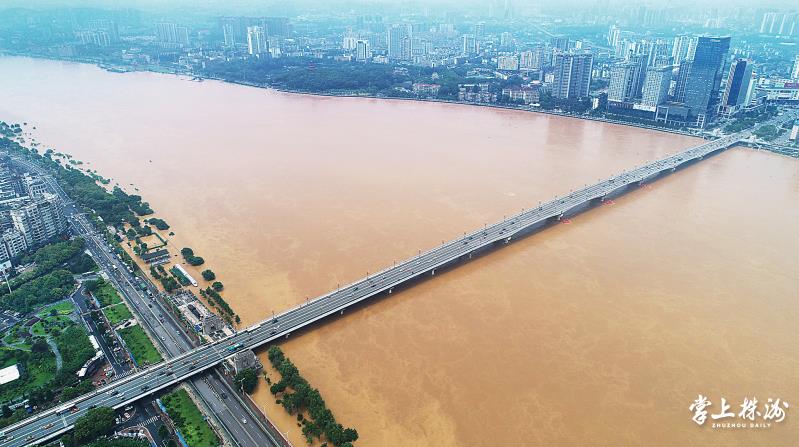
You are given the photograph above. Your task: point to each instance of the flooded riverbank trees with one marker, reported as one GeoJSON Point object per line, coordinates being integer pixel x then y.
{"type": "Point", "coordinates": [190, 257]}
{"type": "Point", "coordinates": [114, 208]}
{"type": "Point", "coordinates": [297, 396]}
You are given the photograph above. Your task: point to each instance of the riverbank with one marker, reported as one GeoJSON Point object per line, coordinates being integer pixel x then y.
{"type": "Point", "coordinates": [159, 69]}
{"type": "Point", "coordinates": [777, 149]}
{"type": "Point", "coordinates": [782, 150]}
{"type": "Point", "coordinates": [462, 103]}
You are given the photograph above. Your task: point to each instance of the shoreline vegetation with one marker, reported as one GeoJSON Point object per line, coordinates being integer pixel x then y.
{"type": "Point", "coordinates": [298, 397]}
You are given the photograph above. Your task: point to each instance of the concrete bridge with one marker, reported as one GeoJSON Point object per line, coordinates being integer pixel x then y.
{"type": "Point", "coordinates": [52, 423]}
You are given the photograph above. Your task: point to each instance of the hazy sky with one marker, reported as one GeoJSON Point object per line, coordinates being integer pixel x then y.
{"type": "Point", "coordinates": [250, 5]}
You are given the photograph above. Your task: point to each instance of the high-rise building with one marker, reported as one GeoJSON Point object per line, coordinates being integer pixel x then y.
{"type": "Point", "coordinates": [33, 186]}
{"type": "Point", "coordinates": [107, 26]}
{"type": "Point", "coordinates": [469, 47]}
{"type": "Point", "coordinates": [256, 41]}
{"type": "Point", "coordinates": [639, 61]}
{"type": "Point", "coordinates": [234, 29]}
{"type": "Point", "coordinates": [533, 59]}
{"type": "Point", "coordinates": [656, 86]}
{"type": "Point", "coordinates": [6, 179]}
{"type": "Point", "coordinates": [641, 47]}
{"type": "Point", "coordinates": [682, 80]}
{"type": "Point", "coordinates": [780, 23]}
{"type": "Point", "coordinates": [274, 46]}
{"type": "Point", "coordinates": [795, 71]}
{"type": "Point", "coordinates": [39, 220]}
{"type": "Point", "coordinates": [394, 38]}
{"type": "Point", "coordinates": [704, 78]}
{"type": "Point", "coordinates": [625, 47]}
{"type": "Point", "coordinates": [661, 61]}
{"type": "Point", "coordinates": [406, 48]}
{"type": "Point", "coordinates": [88, 37]}
{"type": "Point", "coordinates": [171, 35]}
{"type": "Point", "coordinates": [627, 78]}
{"type": "Point", "coordinates": [420, 48]}
{"type": "Point", "coordinates": [613, 35]}
{"type": "Point", "coordinates": [277, 26]}
{"type": "Point", "coordinates": [350, 41]}
{"type": "Point", "coordinates": [479, 30]}
{"type": "Point", "coordinates": [659, 50]}
{"type": "Point", "coordinates": [622, 82]}
{"type": "Point", "coordinates": [12, 244]}
{"type": "Point", "coordinates": [362, 50]}
{"type": "Point", "coordinates": [683, 48]}
{"type": "Point", "coordinates": [510, 63]}
{"type": "Point", "coordinates": [572, 75]}
{"type": "Point", "coordinates": [508, 10]}
{"type": "Point", "coordinates": [559, 43]}
{"type": "Point", "coordinates": [229, 32]}
{"type": "Point", "coordinates": [737, 88]}
{"type": "Point", "coordinates": [166, 32]}
{"type": "Point", "coordinates": [529, 60]}
{"type": "Point", "coordinates": [505, 39]}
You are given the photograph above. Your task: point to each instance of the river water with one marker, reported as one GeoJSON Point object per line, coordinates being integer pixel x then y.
{"type": "Point", "coordinates": [600, 331]}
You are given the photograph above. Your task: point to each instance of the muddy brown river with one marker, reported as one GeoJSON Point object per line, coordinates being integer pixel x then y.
{"type": "Point", "coordinates": [599, 331]}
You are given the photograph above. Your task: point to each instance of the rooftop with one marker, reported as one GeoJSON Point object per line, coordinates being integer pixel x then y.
{"type": "Point", "coordinates": [9, 374]}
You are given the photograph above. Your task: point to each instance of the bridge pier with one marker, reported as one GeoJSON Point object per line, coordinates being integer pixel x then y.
{"type": "Point", "coordinates": [433, 272]}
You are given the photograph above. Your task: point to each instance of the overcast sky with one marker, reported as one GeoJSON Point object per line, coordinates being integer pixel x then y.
{"type": "Point", "coordinates": [250, 5]}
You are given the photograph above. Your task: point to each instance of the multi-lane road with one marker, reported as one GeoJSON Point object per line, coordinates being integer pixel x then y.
{"type": "Point", "coordinates": [228, 410]}
{"type": "Point", "coordinates": [191, 362]}
{"type": "Point", "coordinates": [79, 298]}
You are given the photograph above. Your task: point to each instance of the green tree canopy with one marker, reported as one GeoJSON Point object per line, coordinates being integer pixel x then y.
{"type": "Point", "coordinates": [95, 423]}
{"type": "Point", "coordinates": [247, 380]}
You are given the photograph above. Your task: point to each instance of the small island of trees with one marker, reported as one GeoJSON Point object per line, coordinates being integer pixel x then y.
{"type": "Point", "coordinates": [188, 255]}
